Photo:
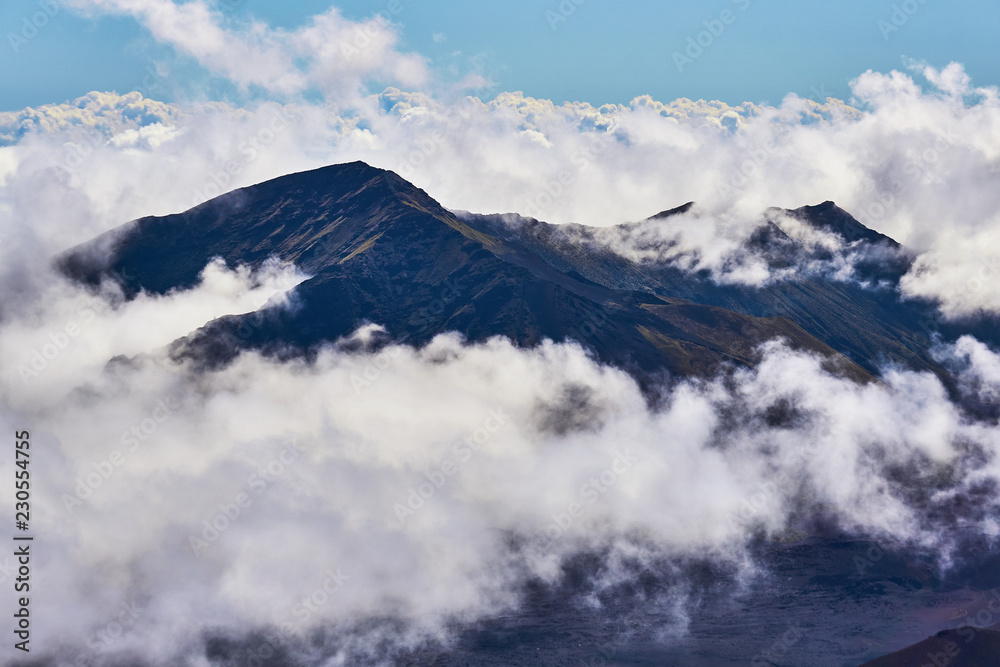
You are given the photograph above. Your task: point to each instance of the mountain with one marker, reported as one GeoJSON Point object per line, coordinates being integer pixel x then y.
{"type": "Point", "coordinates": [964, 647]}
{"type": "Point", "coordinates": [864, 319]}
{"type": "Point", "coordinates": [379, 250]}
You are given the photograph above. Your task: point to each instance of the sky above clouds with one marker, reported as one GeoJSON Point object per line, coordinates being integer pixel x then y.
{"type": "Point", "coordinates": [584, 50]}
{"type": "Point", "coordinates": [116, 109]}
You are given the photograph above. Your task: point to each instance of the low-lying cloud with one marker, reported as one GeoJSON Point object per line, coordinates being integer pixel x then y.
{"type": "Point", "coordinates": [409, 489]}
{"type": "Point", "coordinates": [64, 334]}
{"type": "Point", "coordinates": [428, 486]}
{"type": "Point", "coordinates": [919, 166]}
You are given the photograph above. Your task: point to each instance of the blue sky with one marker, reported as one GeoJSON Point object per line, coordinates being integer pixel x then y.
{"type": "Point", "coordinates": [596, 51]}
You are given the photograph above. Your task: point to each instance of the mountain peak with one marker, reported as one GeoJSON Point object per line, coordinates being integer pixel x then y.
{"type": "Point", "coordinates": [830, 217]}
{"type": "Point", "coordinates": [314, 218]}
{"type": "Point", "coordinates": [378, 249]}
{"type": "Point", "coordinates": [683, 208]}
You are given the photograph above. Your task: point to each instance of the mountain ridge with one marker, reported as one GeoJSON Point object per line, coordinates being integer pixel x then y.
{"type": "Point", "coordinates": [380, 250]}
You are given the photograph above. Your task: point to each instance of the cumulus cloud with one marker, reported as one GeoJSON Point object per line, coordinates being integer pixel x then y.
{"type": "Point", "coordinates": [429, 486]}
{"type": "Point", "coordinates": [331, 54]}
{"type": "Point", "coordinates": [917, 166]}
{"type": "Point", "coordinates": [65, 333]}
{"type": "Point", "coordinates": [914, 155]}
{"type": "Point", "coordinates": [106, 113]}
{"type": "Point", "coordinates": [783, 246]}
{"type": "Point", "coordinates": [916, 162]}
{"type": "Point", "coordinates": [976, 365]}
{"type": "Point", "coordinates": [419, 487]}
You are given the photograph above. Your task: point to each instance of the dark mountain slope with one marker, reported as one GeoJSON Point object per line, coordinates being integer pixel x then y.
{"type": "Point", "coordinates": [863, 319]}
{"type": "Point", "coordinates": [830, 217]}
{"type": "Point", "coordinates": [380, 250]}
{"type": "Point", "coordinates": [315, 219]}
{"type": "Point", "coordinates": [964, 647]}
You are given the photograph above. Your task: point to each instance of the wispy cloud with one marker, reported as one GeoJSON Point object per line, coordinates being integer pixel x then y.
{"type": "Point", "coordinates": [330, 54]}
{"type": "Point", "coordinates": [917, 166]}
{"type": "Point", "coordinates": [716, 463]}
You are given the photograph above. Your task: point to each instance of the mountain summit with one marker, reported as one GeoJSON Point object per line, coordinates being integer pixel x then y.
{"type": "Point", "coordinates": [380, 250]}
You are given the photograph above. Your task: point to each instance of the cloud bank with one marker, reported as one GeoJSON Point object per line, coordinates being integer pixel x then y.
{"type": "Point", "coordinates": [920, 167]}
{"type": "Point", "coordinates": [407, 489]}
{"type": "Point", "coordinates": [429, 486]}
{"type": "Point", "coordinates": [330, 54]}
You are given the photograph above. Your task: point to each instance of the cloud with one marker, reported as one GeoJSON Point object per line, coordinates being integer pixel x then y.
{"type": "Point", "coordinates": [914, 155]}
{"type": "Point", "coordinates": [917, 166]}
{"type": "Point", "coordinates": [783, 248]}
{"type": "Point", "coordinates": [977, 366]}
{"type": "Point", "coordinates": [433, 484]}
{"type": "Point", "coordinates": [330, 54]}
{"type": "Point", "coordinates": [402, 490]}
{"type": "Point", "coordinates": [77, 332]}
{"type": "Point", "coordinates": [107, 113]}
{"type": "Point", "coordinates": [253, 56]}
{"type": "Point", "coordinates": [300, 477]}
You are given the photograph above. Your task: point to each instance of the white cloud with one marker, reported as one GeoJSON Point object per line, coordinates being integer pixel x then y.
{"type": "Point", "coordinates": [338, 54]}
{"type": "Point", "coordinates": [483, 433]}
{"type": "Point", "coordinates": [101, 164]}
{"type": "Point", "coordinates": [67, 334]}
{"type": "Point", "coordinates": [919, 167]}
{"type": "Point", "coordinates": [977, 365]}
{"type": "Point", "coordinates": [102, 112]}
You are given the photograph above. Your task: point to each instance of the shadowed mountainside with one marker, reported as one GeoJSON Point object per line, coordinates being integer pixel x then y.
{"type": "Point", "coordinates": [379, 250]}
{"type": "Point", "coordinates": [963, 647]}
